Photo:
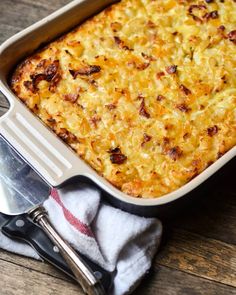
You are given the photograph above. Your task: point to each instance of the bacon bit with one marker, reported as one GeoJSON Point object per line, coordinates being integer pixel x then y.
{"type": "Point", "coordinates": [186, 136]}
{"type": "Point", "coordinates": [211, 15]}
{"type": "Point", "coordinates": [29, 85]}
{"type": "Point", "coordinates": [71, 97]}
{"type": "Point", "coordinates": [142, 110]}
{"type": "Point", "coordinates": [142, 66]}
{"type": "Point", "coordinates": [42, 64]}
{"type": "Point", "coordinates": [169, 126]}
{"type": "Point", "coordinates": [221, 31]}
{"type": "Point", "coordinates": [166, 141]}
{"type": "Point", "coordinates": [211, 131]}
{"type": "Point", "coordinates": [183, 108]}
{"type": "Point", "coordinates": [81, 106]}
{"type": "Point", "coordinates": [185, 90]}
{"type": "Point", "coordinates": [93, 82]}
{"type": "Point", "coordinates": [232, 36]}
{"type": "Point", "coordinates": [160, 97]}
{"type": "Point", "coordinates": [148, 57]}
{"type": "Point", "coordinates": [175, 153]}
{"type": "Point", "coordinates": [221, 28]}
{"type": "Point", "coordinates": [194, 6]}
{"type": "Point", "coordinates": [202, 107]}
{"type": "Point", "coordinates": [72, 72]}
{"type": "Point", "coordinates": [50, 74]}
{"type": "Point", "coordinates": [66, 135]}
{"type": "Point", "coordinates": [55, 81]}
{"type": "Point", "coordinates": [116, 156]}
{"type": "Point", "coordinates": [159, 75]}
{"type": "Point", "coordinates": [171, 69]}
{"type": "Point", "coordinates": [151, 24]}
{"type": "Point", "coordinates": [116, 26]}
{"type": "Point", "coordinates": [86, 71]}
{"type": "Point", "coordinates": [121, 43]}
{"type": "Point", "coordinates": [122, 91]}
{"type": "Point", "coordinates": [68, 52]}
{"type": "Point", "coordinates": [94, 120]}
{"type": "Point", "coordinates": [140, 96]}
{"type": "Point", "coordinates": [196, 18]}
{"type": "Point", "coordinates": [224, 79]}
{"type": "Point", "coordinates": [116, 150]}
{"type": "Point", "coordinates": [36, 57]}
{"type": "Point", "coordinates": [146, 138]}
{"type": "Point", "coordinates": [193, 39]}
{"type": "Point", "coordinates": [111, 106]}
{"type": "Point", "coordinates": [89, 70]}
{"type": "Point", "coordinates": [36, 79]}
{"type": "Point", "coordinates": [51, 121]}
{"type": "Point", "coordinates": [52, 70]}
{"type": "Point", "coordinates": [214, 14]}
{"type": "Point", "coordinates": [16, 77]}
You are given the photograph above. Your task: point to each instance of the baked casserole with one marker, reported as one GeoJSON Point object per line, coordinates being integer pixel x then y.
{"type": "Point", "coordinates": [144, 92]}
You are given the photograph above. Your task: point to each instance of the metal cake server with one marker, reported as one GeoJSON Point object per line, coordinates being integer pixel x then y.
{"type": "Point", "coordinates": [20, 227]}
{"type": "Point", "coordinates": [23, 191]}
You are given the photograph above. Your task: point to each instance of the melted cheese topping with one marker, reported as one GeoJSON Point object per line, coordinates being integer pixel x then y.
{"type": "Point", "coordinates": [144, 92]}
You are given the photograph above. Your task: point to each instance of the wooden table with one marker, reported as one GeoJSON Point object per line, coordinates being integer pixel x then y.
{"type": "Point", "coordinates": [198, 252]}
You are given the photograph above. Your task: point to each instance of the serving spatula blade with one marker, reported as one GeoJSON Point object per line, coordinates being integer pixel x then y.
{"type": "Point", "coordinates": [23, 191]}
{"type": "Point", "coordinates": [21, 188]}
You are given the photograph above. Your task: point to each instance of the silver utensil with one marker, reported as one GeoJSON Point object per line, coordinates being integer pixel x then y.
{"type": "Point", "coordinates": [23, 191]}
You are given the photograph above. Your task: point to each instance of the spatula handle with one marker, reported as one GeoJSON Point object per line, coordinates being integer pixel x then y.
{"type": "Point", "coordinates": [84, 275]}
{"type": "Point", "coordinates": [20, 227]}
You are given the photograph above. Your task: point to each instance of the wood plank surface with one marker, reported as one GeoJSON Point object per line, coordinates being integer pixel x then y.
{"type": "Point", "coordinates": [19, 280]}
{"type": "Point", "coordinates": [198, 252]}
{"type": "Point", "coordinates": [204, 257]}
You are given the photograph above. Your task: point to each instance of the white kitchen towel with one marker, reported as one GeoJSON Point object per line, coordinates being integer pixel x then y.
{"type": "Point", "coordinates": [114, 239]}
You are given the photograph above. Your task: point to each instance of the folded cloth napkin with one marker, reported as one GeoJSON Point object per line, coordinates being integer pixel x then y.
{"type": "Point", "coordinates": [114, 239]}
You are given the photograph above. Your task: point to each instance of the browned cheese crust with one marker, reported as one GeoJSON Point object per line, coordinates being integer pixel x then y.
{"type": "Point", "coordinates": [144, 92]}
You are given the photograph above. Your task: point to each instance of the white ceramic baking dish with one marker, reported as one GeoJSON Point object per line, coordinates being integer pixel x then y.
{"type": "Point", "coordinates": [42, 149]}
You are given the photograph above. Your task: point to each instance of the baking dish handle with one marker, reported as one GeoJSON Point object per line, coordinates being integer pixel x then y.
{"type": "Point", "coordinates": [39, 146]}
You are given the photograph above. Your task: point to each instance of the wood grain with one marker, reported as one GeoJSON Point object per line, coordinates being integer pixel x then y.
{"type": "Point", "coordinates": [161, 279]}
{"type": "Point", "coordinates": [3, 103]}
{"type": "Point", "coordinates": [198, 253]}
{"type": "Point", "coordinates": [203, 257]}
{"type": "Point", "coordinates": [21, 280]}
{"type": "Point", "coordinates": [35, 265]}
{"type": "Point", "coordinates": [29, 11]}
{"type": "Point", "coordinates": [2, 111]}
{"type": "Point", "coordinates": [165, 281]}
